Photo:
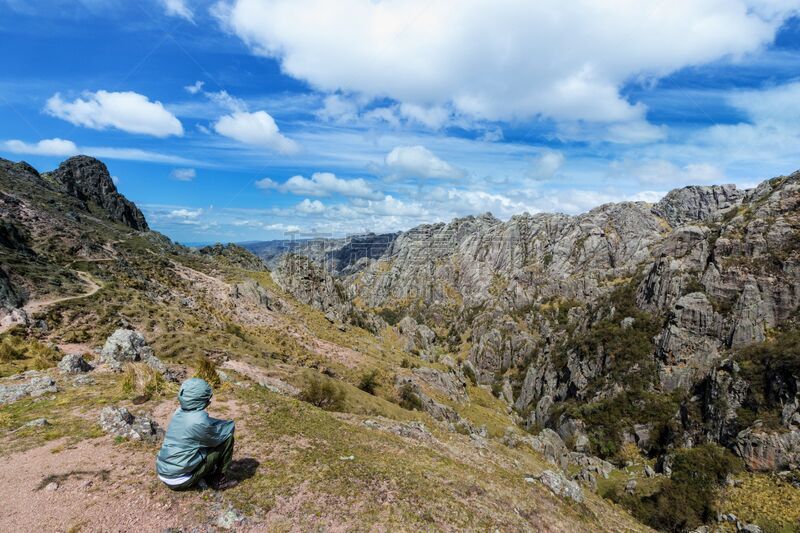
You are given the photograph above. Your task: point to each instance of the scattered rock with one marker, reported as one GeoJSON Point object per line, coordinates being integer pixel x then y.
{"type": "Point", "coordinates": [630, 486]}
{"type": "Point", "coordinates": [561, 486]}
{"type": "Point", "coordinates": [37, 423]}
{"type": "Point", "coordinates": [119, 422]}
{"type": "Point", "coordinates": [36, 387]}
{"type": "Point", "coordinates": [648, 471]}
{"type": "Point", "coordinates": [51, 487]}
{"type": "Point", "coordinates": [73, 363]}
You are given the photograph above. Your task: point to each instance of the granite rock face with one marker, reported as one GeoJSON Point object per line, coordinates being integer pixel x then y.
{"type": "Point", "coordinates": [537, 301]}
{"type": "Point", "coordinates": [88, 180]}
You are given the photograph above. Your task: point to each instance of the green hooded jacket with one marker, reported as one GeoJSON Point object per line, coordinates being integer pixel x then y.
{"type": "Point", "coordinates": [191, 431]}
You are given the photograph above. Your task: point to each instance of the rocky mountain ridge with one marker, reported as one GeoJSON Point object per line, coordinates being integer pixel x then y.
{"type": "Point", "coordinates": [636, 342]}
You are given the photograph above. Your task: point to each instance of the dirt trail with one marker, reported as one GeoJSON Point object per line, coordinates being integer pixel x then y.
{"type": "Point", "coordinates": [36, 306]}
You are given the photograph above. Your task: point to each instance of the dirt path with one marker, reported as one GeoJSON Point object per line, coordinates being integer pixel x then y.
{"type": "Point", "coordinates": [36, 306]}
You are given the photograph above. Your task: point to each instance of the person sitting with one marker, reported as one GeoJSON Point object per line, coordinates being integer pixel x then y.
{"type": "Point", "coordinates": [196, 447]}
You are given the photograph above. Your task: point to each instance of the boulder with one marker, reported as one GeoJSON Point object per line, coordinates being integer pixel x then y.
{"type": "Point", "coordinates": [15, 317]}
{"type": "Point", "coordinates": [549, 444]}
{"type": "Point", "coordinates": [119, 422]}
{"type": "Point", "coordinates": [73, 363]}
{"type": "Point", "coordinates": [561, 486]}
{"type": "Point", "coordinates": [129, 346]}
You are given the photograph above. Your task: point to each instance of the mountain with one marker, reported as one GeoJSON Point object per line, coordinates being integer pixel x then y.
{"type": "Point", "coordinates": [339, 424]}
{"type": "Point", "coordinates": [660, 327]}
{"type": "Point", "coordinates": [480, 374]}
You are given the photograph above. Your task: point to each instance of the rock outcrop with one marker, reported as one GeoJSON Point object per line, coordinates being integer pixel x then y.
{"type": "Point", "coordinates": [88, 180]}
{"type": "Point", "coordinates": [37, 386]}
{"type": "Point", "coordinates": [765, 451]}
{"type": "Point", "coordinates": [129, 346]}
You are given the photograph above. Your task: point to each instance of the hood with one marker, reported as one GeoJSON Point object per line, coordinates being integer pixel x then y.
{"type": "Point", "coordinates": [195, 394]}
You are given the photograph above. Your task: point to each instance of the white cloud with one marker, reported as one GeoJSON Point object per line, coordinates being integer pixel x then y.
{"type": "Point", "coordinates": [195, 88]}
{"type": "Point", "coordinates": [178, 8]}
{"type": "Point", "coordinates": [184, 213]}
{"type": "Point", "coordinates": [65, 148]}
{"type": "Point", "coordinates": [322, 184]}
{"type": "Point", "coordinates": [667, 173]}
{"type": "Point", "coordinates": [310, 207]}
{"type": "Point", "coordinates": [444, 54]}
{"type": "Point", "coordinates": [433, 117]}
{"type": "Point", "coordinates": [338, 109]}
{"type": "Point", "coordinates": [258, 129]}
{"type": "Point", "coordinates": [126, 111]}
{"type": "Point", "coordinates": [546, 165]}
{"type": "Point", "coordinates": [59, 147]}
{"type": "Point", "coordinates": [419, 162]}
{"type": "Point", "coordinates": [183, 174]}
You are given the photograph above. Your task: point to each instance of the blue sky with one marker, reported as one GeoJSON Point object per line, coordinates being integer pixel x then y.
{"type": "Point", "coordinates": [241, 120]}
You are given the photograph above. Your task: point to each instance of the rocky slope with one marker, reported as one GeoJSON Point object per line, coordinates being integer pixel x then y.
{"type": "Point", "coordinates": [100, 315]}
{"type": "Point", "coordinates": [628, 298]}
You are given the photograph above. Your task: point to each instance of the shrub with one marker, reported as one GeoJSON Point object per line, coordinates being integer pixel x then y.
{"type": "Point", "coordinates": [323, 393]}
{"type": "Point", "coordinates": [369, 382]}
{"type": "Point", "coordinates": [9, 351]}
{"type": "Point", "coordinates": [206, 369]}
{"type": "Point", "coordinates": [687, 499]}
{"type": "Point", "coordinates": [43, 356]}
{"type": "Point", "coordinates": [409, 399]}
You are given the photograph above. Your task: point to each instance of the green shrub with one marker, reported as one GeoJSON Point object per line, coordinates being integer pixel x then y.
{"type": "Point", "coordinates": [687, 499]}
{"type": "Point", "coordinates": [369, 382]}
{"type": "Point", "coordinates": [409, 399]}
{"type": "Point", "coordinates": [323, 393]}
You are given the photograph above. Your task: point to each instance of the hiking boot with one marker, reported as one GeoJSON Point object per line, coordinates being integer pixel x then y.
{"type": "Point", "coordinates": [222, 482]}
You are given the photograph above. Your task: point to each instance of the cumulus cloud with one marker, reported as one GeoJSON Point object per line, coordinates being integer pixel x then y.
{"type": "Point", "coordinates": [310, 207]}
{"type": "Point", "coordinates": [56, 146]}
{"type": "Point", "coordinates": [183, 174]}
{"type": "Point", "coordinates": [431, 55]}
{"type": "Point", "coordinates": [126, 111]}
{"type": "Point", "coordinates": [419, 162]}
{"type": "Point", "coordinates": [178, 8]}
{"type": "Point", "coordinates": [322, 184]}
{"type": "Point", "coordinates": [257, 129]}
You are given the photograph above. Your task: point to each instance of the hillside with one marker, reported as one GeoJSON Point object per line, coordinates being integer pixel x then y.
{"type": "Point", "coordinates": [635, 329]}
{"type": "Point", "coordinates": [338, 426]}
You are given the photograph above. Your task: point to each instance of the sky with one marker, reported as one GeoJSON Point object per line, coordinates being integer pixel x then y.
{"type": "Point", "coordinates": [242, 120]}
